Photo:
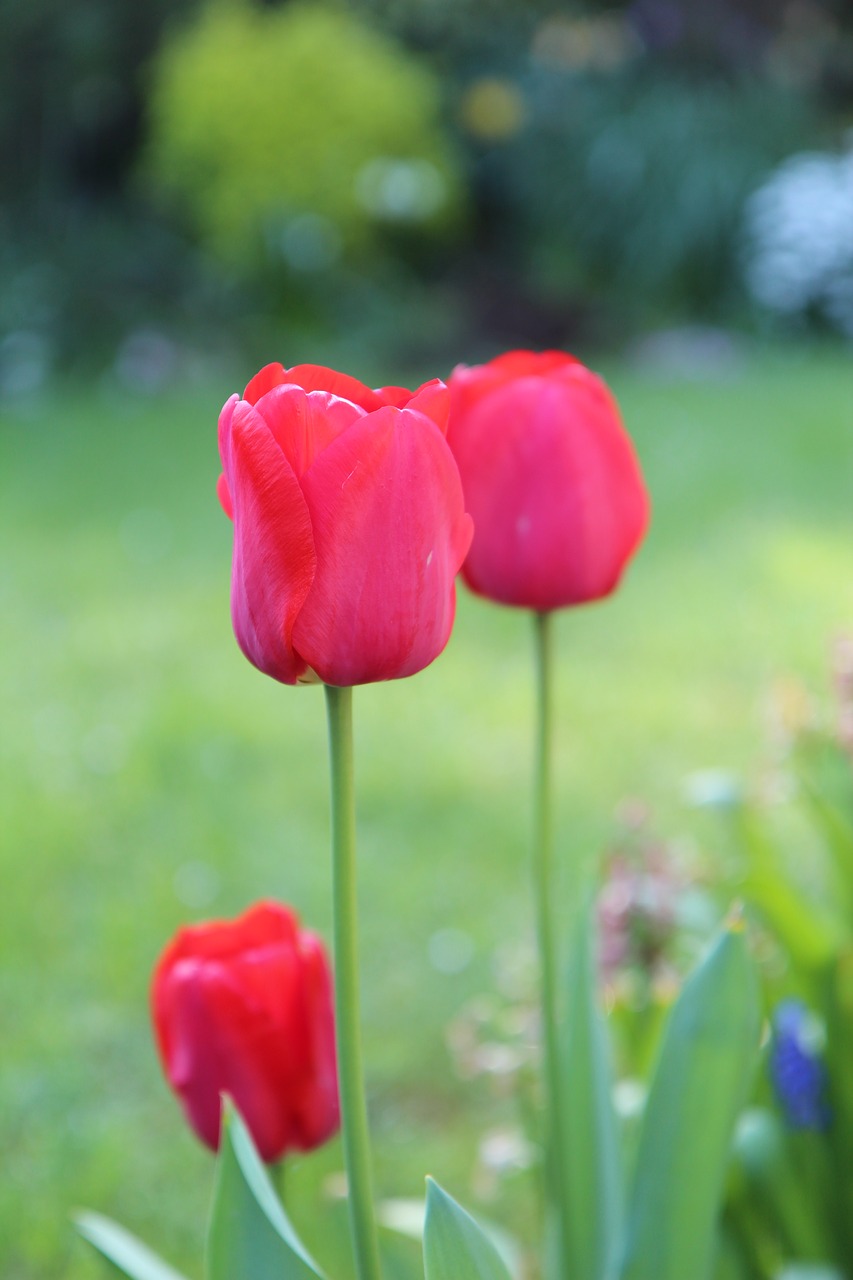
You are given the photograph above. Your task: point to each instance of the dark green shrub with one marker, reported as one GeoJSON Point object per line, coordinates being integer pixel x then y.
{"type": "Point", "coordinates": [632, 187]}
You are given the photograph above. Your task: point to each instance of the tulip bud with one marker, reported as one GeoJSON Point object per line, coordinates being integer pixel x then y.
{"type": "Point", "coordinates": [550, 478]}
{"type": "Point", "coordinates": [244, 1008]}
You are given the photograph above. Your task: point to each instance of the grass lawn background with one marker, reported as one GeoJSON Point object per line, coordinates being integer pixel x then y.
{"type": "Point", "coordinates": [151, 776]}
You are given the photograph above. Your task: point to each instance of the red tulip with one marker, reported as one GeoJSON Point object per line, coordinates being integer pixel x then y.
{"type": "Point", "coordinates": [550, 478]}
{"type": "Point", "coordinates": [244, 1007]}
{"type": "Point", "coordinates": [349, 525]}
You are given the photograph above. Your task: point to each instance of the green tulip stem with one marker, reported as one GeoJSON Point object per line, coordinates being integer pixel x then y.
{"type": "Point", "coordinates": [543, 889]}
{"type": "Point", "coordinates": [356, 1137]}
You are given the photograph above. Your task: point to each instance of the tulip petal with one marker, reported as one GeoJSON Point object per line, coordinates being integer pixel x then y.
{"type": "Point", "coordinates": [316, 377]}
{"type": "Point", "coordinates": [264, 380]}
{"type": "Point", "coordinates": [223, 493]}
{"type": "Point", "coordinates": [219, 1044]}
{"type": "Point", "coordinates": [396, 397]}
{"type": "Point", "coordinates": [265, 923]}
{"type": "Point", "coordinates": [316, 1112]}
{"type": "Point", "coordinates": [274, 560]}
{"type": "Point", "coordinates": [432, 399]}
{"type": "Point", "coordinates": [470, 384]}
{"type": "Point", "coordinates": [390, 533]}
{"type": "Point", "coordinates": [304, 423]}
{"type": "Point", "coordinates": [555, 490]}
{"type": "Point", "coordinates": [519, 364]}
{"type": "Point", "coordinates": [226, 413]}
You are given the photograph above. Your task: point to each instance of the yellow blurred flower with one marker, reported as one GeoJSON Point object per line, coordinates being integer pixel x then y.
{"type": "Point", "coordinates": [493, 109]}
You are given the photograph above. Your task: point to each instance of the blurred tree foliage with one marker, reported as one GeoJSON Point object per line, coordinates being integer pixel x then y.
{"type": "Point", "coordinates": [71, 111]}
{"type": "Point", "coordinates": [80, 258]}
{"type": "Point", "coordinates": [603, 149]}
{"type": "Point", "coordinates": [298, 133]}
{"type": "Point", "coordinates": [631, 188]}
{"type": "Point", "coordinates": [612, 146]}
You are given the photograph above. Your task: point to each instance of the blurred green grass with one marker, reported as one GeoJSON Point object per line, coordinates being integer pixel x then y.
{"type": "Point", "coordinates": [150, 775]}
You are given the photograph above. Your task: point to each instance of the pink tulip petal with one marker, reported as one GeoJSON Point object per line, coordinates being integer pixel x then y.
{"type": "Point", "coordinates": [519, 364]}
{"type": "Point", "coordinates": [469, 385]}
{"type": "Point", "coordinates": [264, 380]}
{"type": "Point", "coordinates": [223, 493]}
{"type": "Point", "coordinates": [316, 1112]}
{"type": "Point", "coordinates": [316, 377]}
{"type": "Point", "coordinates": [432, 399]}
{"type": "Point", "coordinates": [265, 923]}
{"type": "Point", "coordinates": [396, 397]}
{"type": "Point", "coordinates": [226, 413]}
{"type": "Point", "coordinates": [390, 533]}
{"type": "Point", "coordinates": [274, 560]}
{"type": "Point", "coordinates": [303, 423]}
{"type": "Point", "coordinates": [220, 1045]}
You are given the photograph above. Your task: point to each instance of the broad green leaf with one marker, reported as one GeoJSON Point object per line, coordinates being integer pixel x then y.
{"type": "Point", "coordinates": [122, 1249]}
{"type": "Point", "coordinates": [808, 935]}
{"type": "Point", "coordinates": [250, 1235]}
{"type": "Point", "coordinates": [455, 1247]}
{"type": "Point", "coordinates": [706, 1060]}
{"type": "Point", "coordinates": [589, 1144]}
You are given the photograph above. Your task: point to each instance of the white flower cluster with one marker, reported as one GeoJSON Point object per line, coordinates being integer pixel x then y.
{"type": "Point", "coordinates": [798, 238]}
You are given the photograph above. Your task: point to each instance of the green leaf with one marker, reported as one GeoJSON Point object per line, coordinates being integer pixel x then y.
{"type": "Point", "coordinates": [825, 780]}
{"type": "Point", "coordinates": [706, 1060]}
{"type": "Point", "coordinates": [837, 1004]}
{"type": "Point", "coordinates": [250, 1235]}
{"type": "Point", "coordinates": [772, 1166]}
{"type": "Point", "coordinates": [122, 1249]}
{"type": "Point", "coordinates": [589, 1146]}
{"type": "Point", "coordinates": [811, 936]}
{"type": "Point", "coordinates": [406, 1217]}
{"type": "Point", "coordinates": [455, 1247]}
{"type": "Point", "coordinates": [731, 1262]}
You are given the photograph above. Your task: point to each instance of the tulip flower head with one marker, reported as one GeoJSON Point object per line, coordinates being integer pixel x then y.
{"type": "Point", "coordinates": [349, 525]}
{"type": "Point", "coordinates": [244, 1008]}
{"type": "Point", "coordinates": [550, 477]}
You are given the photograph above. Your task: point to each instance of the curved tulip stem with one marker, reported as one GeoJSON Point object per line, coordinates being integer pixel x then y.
{"type": "Point", "coordinates": [543, 861]}
{"type": "Point", "coordinates": [348, 1024]}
